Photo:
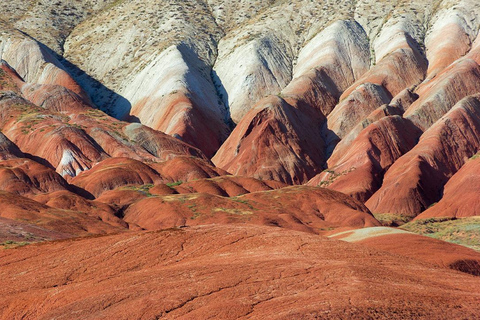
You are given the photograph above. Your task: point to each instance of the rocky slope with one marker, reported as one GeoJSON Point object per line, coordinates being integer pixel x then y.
{"type": "Point", "coordinates": [227, 121]}
{"type": "Point", "coordinates": [197, 272]}
{"type": "Point", "coordinates": [415, 246]}
{"type": "Point", "coordinates": [462, 185]}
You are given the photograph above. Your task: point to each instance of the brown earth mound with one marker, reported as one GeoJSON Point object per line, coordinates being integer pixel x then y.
{"type": "Point", "coordinates": [115, 172]}
{"type": "Point", "coordinates": [27, 177]}
{"type": "Point", "coordinates": [14, 233]}
{"type": "Point", "coordinates": [228, 272]}
{"type": "Point", "coordinates": [75, 223]}
{"type": "Point", "coordinates": [437, 252]}
{"type": "Point", "coordinates": [309, 209]}
{"type": "Point", "coordinates": [228, 186]}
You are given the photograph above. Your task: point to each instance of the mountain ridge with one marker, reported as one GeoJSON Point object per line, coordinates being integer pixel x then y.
{"type": "Point", "coordinates": [148, 145]}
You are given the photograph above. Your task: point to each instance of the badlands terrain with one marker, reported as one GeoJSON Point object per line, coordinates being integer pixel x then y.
{"type": "Point", "coordinates": [255, 159]}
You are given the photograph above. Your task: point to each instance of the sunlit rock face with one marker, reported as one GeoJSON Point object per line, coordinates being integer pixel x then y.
{"type": "Point", "coordinates": [201, 151]}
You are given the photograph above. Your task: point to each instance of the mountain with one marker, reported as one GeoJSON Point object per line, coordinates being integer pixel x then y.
{"type": "Point", "coordinates": [274, 124]}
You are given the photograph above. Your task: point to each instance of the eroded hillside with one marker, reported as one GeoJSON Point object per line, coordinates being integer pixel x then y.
{"type": "Point", "coordinates": [223, 121]}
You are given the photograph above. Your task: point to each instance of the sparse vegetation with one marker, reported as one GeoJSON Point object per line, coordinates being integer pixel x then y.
{"type": "Point", "coordinates": [174, 184]}
{"type": "Point", "coordinates": [233, 211]}
{"type": "Point", "coordinates": [144, 189]}
{"type": "Point", "coordinates": [193, 208]}
{"type": "Point", "coordinates": [243, 201]}
{"type": "Point", "coordinates": [333, 175]}
{"type": "Point", "coordinates": [463, 231]}
{"type": "Point", "coordinates": [10, 244]}
{"type": "Point", "coordinates": [391, 220]}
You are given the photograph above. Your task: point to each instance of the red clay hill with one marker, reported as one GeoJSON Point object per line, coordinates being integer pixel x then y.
{"type": "Point", "coordinates": [241, 159]}
{"type": "Point", "coordinates": [229, 272]}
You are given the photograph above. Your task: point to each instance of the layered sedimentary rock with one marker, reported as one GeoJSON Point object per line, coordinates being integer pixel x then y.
{"type": "Point", "coordinates": [24, 176]}
{"type": "Point", "coordinates": [34, 62]}
{"type": "Point", "coordinates": [300, 95]}
{"type": "Point", "coordinates": [64, 132]}
{"type": "Point", "coordinates": [416, 180]}
{"type": "Point", "coordinates": [135, 116]}
{"type": "Point", "coordinates": [460, 195]}
{"type": "Point", "coordinates": [359, 171]}
{"type": "Point", "coordinates": [278, 139]}
{"type": "Point", "coordinates": [216, 61]}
